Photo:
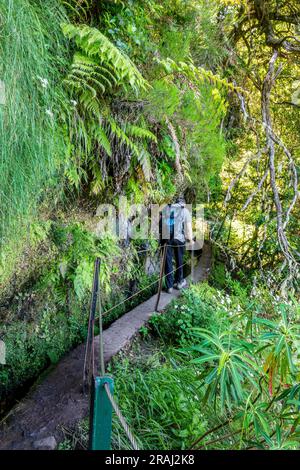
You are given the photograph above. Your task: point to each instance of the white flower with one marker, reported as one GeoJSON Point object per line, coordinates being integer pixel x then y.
{"type": "Point", "coordinates": [44, 82]}
{"type": "Point", "coordinates": [49, 113]}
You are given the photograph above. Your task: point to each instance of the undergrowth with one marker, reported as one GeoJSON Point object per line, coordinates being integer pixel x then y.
{"type": "Point", "coordinates": [219, 369]}
{"type": "Point", "coordinates": [48, 318]}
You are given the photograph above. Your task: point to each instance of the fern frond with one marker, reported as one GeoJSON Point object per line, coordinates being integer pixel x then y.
{"type": "Point", "coordinates": [139, 132]}
{"type": "Point", "coordinates": [122, 136]}
{"type": "Point", "coordinates": [61, 296]}
{"type": "Point", "coordinates": [195, 74]}
{"type": "Point", "coordinates": [98, 47]}
{"type": "Point", "coordinates": [76, 82]}
{"type": "Point", "coordinates": [78, 8]}
{"type": "Point", "coordinates": [101, 137]}
{"type": "Point", "coordinates": [144, 160]}
{"type": "Point", "coordinates": [98, 183]}
{"type": "Point", "coordinates": [75, 175]}
{"type": "Point", "coordinates": [84, 64]}
{"type": "Point", "coordinates": [81, 135]}
{"type": "Point", "coordinates": [92, 77]}
{"type": "Point", "coordinates": [90, 104]}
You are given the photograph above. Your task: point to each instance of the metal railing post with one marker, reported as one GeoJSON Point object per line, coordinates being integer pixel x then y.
{"type": "Point", "coordinates": [162, 270]}
{"type": "Point", "coordinates": [101, 416]}
{"type": "Point", "coordinates": [88, 368]}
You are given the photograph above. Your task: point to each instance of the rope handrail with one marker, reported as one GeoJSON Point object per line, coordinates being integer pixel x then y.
{"type": "Point", "coordinates": [121, 255]}
{"type": "Point", "coordinates": [122, 420]}
{"type": "Point", "coordinates": [117, 410]}
{"type": "Point", "coordinates": [142, 290]}
{"type": "Point", "coordinates": [137, 252]}
{"type": "Point", "coordinates": [100, 439]}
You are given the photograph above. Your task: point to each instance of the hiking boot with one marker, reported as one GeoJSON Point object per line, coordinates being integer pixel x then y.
{"type": "Point", "coordinates": [175, 285]}
{"type": "Point", "coordinates": [181, 285]}
{"type": "Point", "coordinates": [170, 290]}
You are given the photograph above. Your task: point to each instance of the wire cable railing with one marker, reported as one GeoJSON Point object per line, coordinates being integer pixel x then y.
{"type": "Point", "coordinates": [101, 388]}
{"type": "Point", "coordinates": [122, 420]}
{"type": "Point", "coordinates": [106, 312]}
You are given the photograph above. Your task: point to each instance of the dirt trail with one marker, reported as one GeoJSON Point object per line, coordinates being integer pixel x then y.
{"type": "Point", "coordinates": [59, 400]}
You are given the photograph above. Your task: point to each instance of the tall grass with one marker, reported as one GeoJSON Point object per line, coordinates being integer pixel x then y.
{"type": "Point", "coordinates": [32, 62]}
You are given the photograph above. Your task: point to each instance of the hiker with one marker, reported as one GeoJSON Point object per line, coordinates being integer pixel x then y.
{"type": "Point", "coordinates": [175, 230]}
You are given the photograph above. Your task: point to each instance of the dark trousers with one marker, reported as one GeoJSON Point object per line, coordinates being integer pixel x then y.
{"type": "Point", "coordinates": [175, 248]}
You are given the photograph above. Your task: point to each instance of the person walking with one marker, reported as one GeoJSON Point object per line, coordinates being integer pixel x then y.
{"type": "Point", "coordinates": [176, 230]}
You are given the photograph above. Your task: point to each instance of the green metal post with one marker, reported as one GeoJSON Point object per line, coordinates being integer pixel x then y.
{"type": "Point", "coordinates": [101, 419]}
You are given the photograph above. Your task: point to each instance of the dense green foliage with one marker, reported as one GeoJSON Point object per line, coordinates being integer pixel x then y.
{"type": "Point", "coordinates": [217, 370]}
{"type": "Point", "coordinates": [150, 99]}
{"type": "Point", "coordinates": [110, 119]}
{"type": "Point", "coordinates": [261, 176]}
{"type": "Point", "coordinates": [93, 110]}
{"type": "Point", "coordinates": [47, 319]}
{"type": "Point", "coordinates": [32, 147]}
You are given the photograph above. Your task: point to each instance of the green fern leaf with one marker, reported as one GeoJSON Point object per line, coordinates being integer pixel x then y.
{"type": "Point", "coordinates": [122, 136]}
{"type": "Point", "coordinates": [145, 162]}
{"type": "Point", "coordinates": [101, 137]}
{"type": "Point", "coordinates": [139, 132]}
{"type": "Point", "coordinates": [98, 47]}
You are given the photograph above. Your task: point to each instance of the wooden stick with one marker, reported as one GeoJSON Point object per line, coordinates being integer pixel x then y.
{"type": "Point", "coordinates": [162, 269]}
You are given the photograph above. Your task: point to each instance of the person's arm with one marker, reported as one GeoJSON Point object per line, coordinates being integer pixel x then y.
{"type": "Point", "coordinates": [160, 228]}
{"type": "Point", "coordinates": [188, 226]}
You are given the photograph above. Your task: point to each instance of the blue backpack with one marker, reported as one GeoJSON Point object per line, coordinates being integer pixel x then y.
{"type": "Point", "coordinates": [172, 222]}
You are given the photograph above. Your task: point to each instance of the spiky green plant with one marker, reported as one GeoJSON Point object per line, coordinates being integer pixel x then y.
{"type": "Point", "coordinates": [279, 343]}
{"type": "Point", "coordinates": [229, 365]}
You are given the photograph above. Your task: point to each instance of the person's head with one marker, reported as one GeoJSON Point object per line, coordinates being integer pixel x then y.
{"type": "Point", "coordinates": [180, 199]}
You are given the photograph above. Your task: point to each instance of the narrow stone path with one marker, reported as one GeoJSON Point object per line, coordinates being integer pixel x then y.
{"type": "Point", "coordinates": [36, 422]}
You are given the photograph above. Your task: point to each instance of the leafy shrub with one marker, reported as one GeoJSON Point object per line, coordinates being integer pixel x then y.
{"type": "Point", "coordinates": [226, 387]}
{"type": "Point", "coordinates": [218, 275]}
{"type": "Point", "coordinates": [31, 346]}
{"type": "Point", "coordinates": [41, 331]}
{"type": "Point", "coordinates": [194, 309]}
{"type": "Point", "coordinates": [229, 365]}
